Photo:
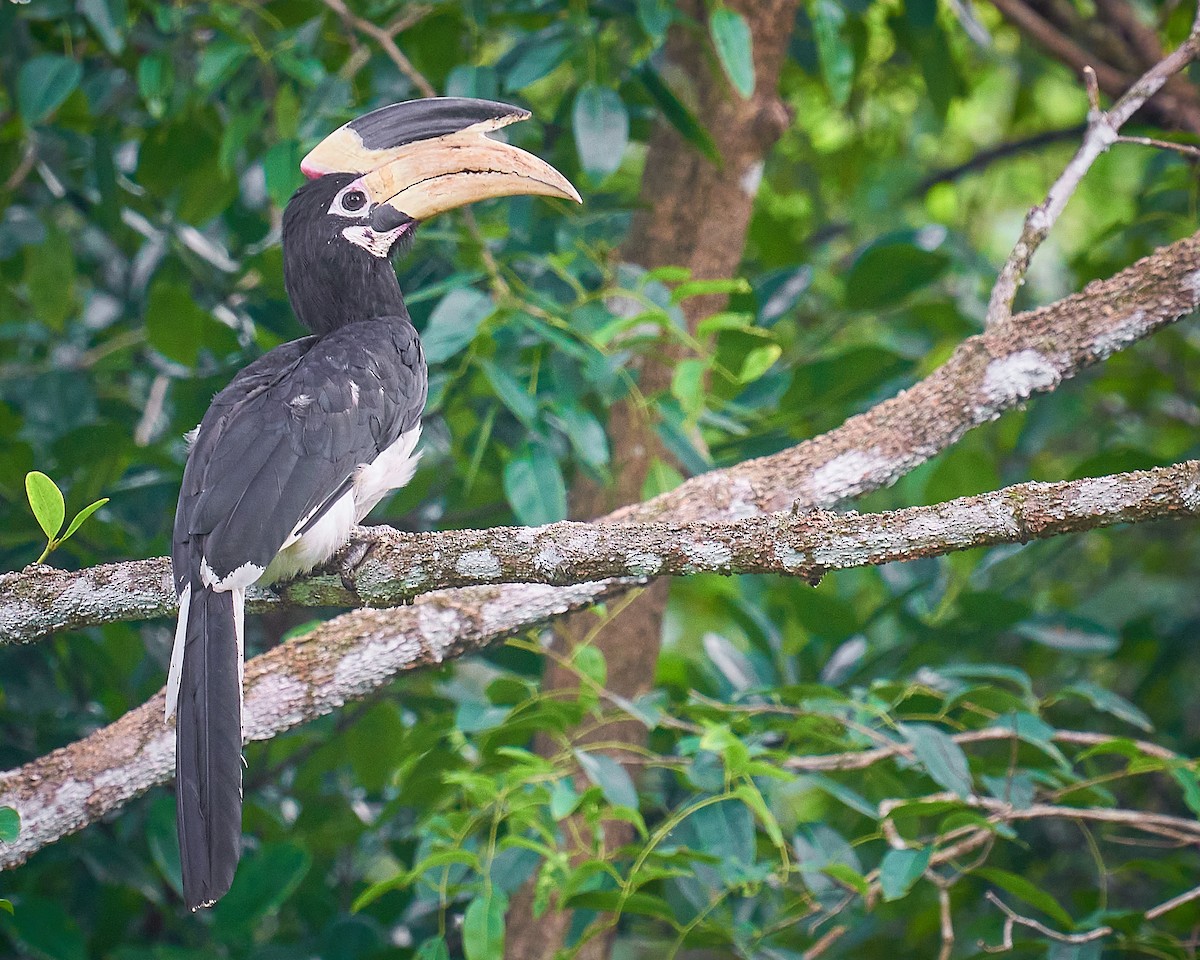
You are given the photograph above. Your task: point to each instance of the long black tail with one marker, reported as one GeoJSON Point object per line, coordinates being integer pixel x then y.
{"type": "Point", "coordinates": [208, 749]}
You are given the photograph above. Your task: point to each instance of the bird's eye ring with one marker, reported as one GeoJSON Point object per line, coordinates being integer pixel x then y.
{"type": "Point", "coordinates": [354, 200]}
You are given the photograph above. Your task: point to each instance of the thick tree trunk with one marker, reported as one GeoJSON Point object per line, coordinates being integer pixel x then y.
{"type": "Point", "coordinates": [695, 214]}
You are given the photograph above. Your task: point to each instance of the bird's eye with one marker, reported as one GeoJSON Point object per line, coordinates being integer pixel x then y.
{"type": "Point", "coordinates": [354, 200]}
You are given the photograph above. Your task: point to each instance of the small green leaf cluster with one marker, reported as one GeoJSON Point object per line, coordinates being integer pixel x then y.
{"type": "Point", "coordinates": [49, 509]}
{"type": "Point", "coordinates": [757, 811]}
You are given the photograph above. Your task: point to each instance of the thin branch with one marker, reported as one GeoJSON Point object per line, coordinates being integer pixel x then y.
{"type": "Point", "coordinates": [1185, 148]}
{"type": "Point", "coordinates": [999, 811]}
{"type": "Point", "coordinates": [1103, 130]}
{"type": "Point", "coordinates": [1012, 918]}
{"type": "Point", "coordinates": [985, 158]}
{"type": "Point", "coordinates": [861, 759]}
{"type": "Point", "coordinates": [310, 676]}
{"type": "Point", "coordinates": [394, 567]}
{"type": "Point", "coordinates": [1167, 906]}
{"type": "Point", "coordinates": [824, 943]}
{"type": "Point", "coordinates": [385, 37]}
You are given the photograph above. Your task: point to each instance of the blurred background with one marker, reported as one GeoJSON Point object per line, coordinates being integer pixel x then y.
{"type": "Point", "coordinates": [146, 152]}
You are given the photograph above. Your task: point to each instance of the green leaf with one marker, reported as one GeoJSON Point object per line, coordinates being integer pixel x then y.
{"type": "Point", "coordinates": [262, 884]}
{"type": "Point", "coordinates": [454, 323]}
{"type": "Point", "coordinates": [219, 62]}
{"type": "Point", "coordinates": [6, 906]}
{"type": "Point", "coordinates": [1070, 634]}
{"type": "Point", "coordinates": [749, 795]}
{"type": "Point", "coordinates": [155, 78]}
{"type": "Point", "coordinates": [520, 401]}
{"type": "Point", "coordinates": [888, 271]}
{"type": "Point", "coordinates": [107, 18]}
{"type": "Point", "coordinates": [48, 931]}
{"type": "Point", "coordinates": [1189, 783]}
{"type": "Point", "coordinates": [1111, 703]}
{"type": "Point", "coordinates": [534, 486]}
{"type": "Point", "coordinates": [81, 516]}
{"type": "Point", "coordinates": [687, 385]}
{"type": "Point", "coordinates": [678, 115]}
{"type": "Point", "coordinates": [900, 869]}
{"type": "Point", "coordinates": [434, 949]}
{"type": "Point", "coordinates": [655, 16]}
{"type": "Point", "coordinates": [563, 799]}
{"type": "Point", "coordinates": [281, 167]}
{"type": "Point", "coordinates": [538, 59]}
{"type": "Point", "coordinates": [705, 287]}
{"type": "Point", "coordinates": [942, 758]}
{"type": "Point", "coordinates": [589, 661]}
{"type": "Point", "coordinates": [483, 926]}
{"type": "Point", "coordinates": [174, 322]}
{"type": "Point", "coordinates": [731, 37]}
{"type": "Point", "coordinates": [49, 277]}
{"type": "Point", "coordinates": [46, 501]}
{"type": "Point", "coordinates": [610, 901]}
{"type": "Point", "coordinates": [44, 83]}
{"type": "Point", "coordinates": [10, 825]}
{"type": "Point", "coordinates": [610, 777]}
{"type": "Point", "coordinates": [600, 123]}
{"type": "Point", "coordinates": [758, 361]}
{"type": "Point", "coordinates": [1022, 889]}
{"type": "Point", "coordinates": [834, 50]}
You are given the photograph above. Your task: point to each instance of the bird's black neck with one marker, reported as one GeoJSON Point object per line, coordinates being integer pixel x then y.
{"type": "Point", "coordinates": [329, 291]}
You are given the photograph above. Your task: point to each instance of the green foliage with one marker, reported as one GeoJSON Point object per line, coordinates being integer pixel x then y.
{"type": "Point", "coordinates": [147, 150]}
{"type": "Point", "coordinates": [49, 509]}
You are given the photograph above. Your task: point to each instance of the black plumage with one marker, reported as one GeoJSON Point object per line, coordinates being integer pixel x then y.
{"type": "Point", "coordinates": [276, 450]}
{"type": "Point", "coordinates": [308, 438]}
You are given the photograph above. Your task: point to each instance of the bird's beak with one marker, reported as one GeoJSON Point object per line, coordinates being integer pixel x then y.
{"type": "Point", "coordinates": [424, 157]}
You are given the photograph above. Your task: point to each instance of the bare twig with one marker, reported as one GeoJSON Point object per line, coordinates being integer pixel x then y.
{"type": "Point", "coordinates": [985, 158]}
{"type": "Point", "coordinates": [1185, 148]}
{"type": "Point", "coordinates": [1103, 130]}
{"type": "Point", "coordinates": [861, 759]}
{"type": "Point", "coordinates": [1013, 918]}
{"type": "Point", "coordinates": [998, 811]}
{"type": "Point", "coordinates": [827, 941]}
{"type": "Point", "coordinates": [385, 37]}
{"type": "Point", "coordinates": [946, 920]}
{"type": "Point", "coordinates": [1167, 906]}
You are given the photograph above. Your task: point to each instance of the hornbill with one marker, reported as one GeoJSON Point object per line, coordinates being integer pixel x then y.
{"type": "Point", "coordinates": [308, 438]}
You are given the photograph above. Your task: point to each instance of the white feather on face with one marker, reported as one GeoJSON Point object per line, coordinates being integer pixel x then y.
{"type": "Point", "coordinates": [376, 244]}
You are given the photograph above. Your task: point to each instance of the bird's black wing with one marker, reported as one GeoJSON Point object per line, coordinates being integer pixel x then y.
{"type": "Point", "coordinates": [275, 449]}
{"type": "Point", "coordinates": [285, 436]}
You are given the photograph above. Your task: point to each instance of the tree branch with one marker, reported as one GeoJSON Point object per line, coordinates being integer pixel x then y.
{"type": "Point", "coordinates": [305, 678]}
{"type": "Point", "coordinates": [1103, 130]}
{"type": "Point", "coordinates": [354, 654]}
{"type": "Point", "coordinates": [394, 566]}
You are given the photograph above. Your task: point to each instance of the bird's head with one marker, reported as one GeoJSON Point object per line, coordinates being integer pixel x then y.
{"type": "Point", "coordinates": [374, 179]}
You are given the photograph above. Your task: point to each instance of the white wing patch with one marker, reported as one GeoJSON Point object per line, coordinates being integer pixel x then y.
{"type": "Point", "coordinates": [241, 578]}
{"type": "Point", "coordinates": [391, 470]}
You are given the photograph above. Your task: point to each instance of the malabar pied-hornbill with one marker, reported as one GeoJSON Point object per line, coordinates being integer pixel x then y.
{"type": "Point", "coordinates": [308, 438]}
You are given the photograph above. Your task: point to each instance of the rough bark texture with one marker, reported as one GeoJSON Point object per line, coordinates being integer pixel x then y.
{"type": "Point", "coordinates": [398, 566]}
{"type": "Point", "coordinates": [355, 654]}
{"type": "Point", "coordinates": [310, 676]}
{"type": "Point", "coordinates": [988, 374]}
